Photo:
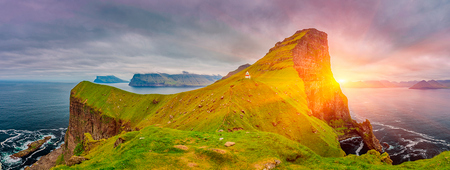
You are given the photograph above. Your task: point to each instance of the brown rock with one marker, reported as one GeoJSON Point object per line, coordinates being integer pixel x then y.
{"type": "Point", "coordinates": [386, 145]}
{"type": "Point", "coordinates": [155, 101]}
{"type": "Point", "coordinates": [32, 147]}
{"type": "Point", "coordinates": [277, 162]}
{"type": "Point", "coordinates": [75, 160]}
{"type": "Point", "coordinates": [228, 144]}
{"type": "Point", "coordinates": [325, 98]}
{"type": "Point", "coordinates": [48, 161]}
{"type": "Point", "coordinates": [85, 119]}
{"type": "Point", "coordinates": [192, 164]}
{"type": "Point", "coordinates": [312, 62]}
{"type": "Point", "coordinates": [182, 147]}
{"type": "Point", "coordinates": [219, 151]}
{"type": "Point", "coordinates": [119, 141]}
{"type": "Point", "coordinates": [270, 165]}
{"type": "Point", "coordinates": [365, 131]}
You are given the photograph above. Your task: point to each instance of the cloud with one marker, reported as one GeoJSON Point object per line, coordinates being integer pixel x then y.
{"type": "Point", "coordinates": [49, 39]}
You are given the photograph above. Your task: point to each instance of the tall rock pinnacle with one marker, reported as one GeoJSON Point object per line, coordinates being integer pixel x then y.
{"type": "Point", "coordinates": [312, 62]}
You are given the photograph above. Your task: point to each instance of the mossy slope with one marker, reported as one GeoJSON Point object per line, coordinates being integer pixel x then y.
{"type": "Point", "coordinates": [272, 106]}
{"type": "Point", "coordinates": [273, 100]}
{"type": "Point", "coordinates": [156, 148]}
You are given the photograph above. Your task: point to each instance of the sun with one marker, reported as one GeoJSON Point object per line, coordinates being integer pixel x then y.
{"type": "Point", "coordinates": [342, 81]}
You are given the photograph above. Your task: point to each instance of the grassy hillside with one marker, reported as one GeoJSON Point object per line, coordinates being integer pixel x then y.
{"type": "Point", "coordinates": [164, 148]}
{"type": "Point", "coordinates": [267, 116]}
{"type": "Point", "coordinates": [273, 100]}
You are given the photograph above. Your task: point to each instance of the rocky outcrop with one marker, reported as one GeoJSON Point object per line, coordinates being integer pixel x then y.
{"type": "Point", "coordinates": [32, 147]}
{"type": "Point", "coordinates": [48, 161]}
{"type": "Point", "coordinates": [239, 69]}
{"type": "Point", "coordinates": [312, 62]}
{"type": "Point", "coordinates": [75, 160]}
{"type": "Point", "coordinates": [85, 119]}
{"type": "Point", "coordinates": [324, 96]}
{"type": "Point", "coordinates": [366, 132]}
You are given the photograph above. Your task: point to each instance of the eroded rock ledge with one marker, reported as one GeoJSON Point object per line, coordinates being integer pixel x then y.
{"type": "Point", "coordinates": [32, 147]}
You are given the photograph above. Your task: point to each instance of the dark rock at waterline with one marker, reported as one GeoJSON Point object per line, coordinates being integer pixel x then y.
{"type": "Point", "coordinates": [32, 147]}
{"type": "Point", "coordinates": [385, 145]}
{"type": "Point", "coordinates": [48, 161]}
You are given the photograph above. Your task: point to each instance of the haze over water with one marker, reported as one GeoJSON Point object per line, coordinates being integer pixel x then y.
{"type": "Point", "coordinates": [415, 123]}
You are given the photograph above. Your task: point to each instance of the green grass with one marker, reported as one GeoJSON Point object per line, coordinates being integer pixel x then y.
{"type": "Point", "coordinates": [271, 106]}
{"type": "Point", "coordinates": [79, 149]}
{"type": "Point", "coordinates": [153, 148]}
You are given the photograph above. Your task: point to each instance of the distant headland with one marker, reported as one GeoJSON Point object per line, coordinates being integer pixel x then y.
{"type": "Point", "coordinates": [173, 80]}
{"type": "Point", "coordinates": [109, 79]}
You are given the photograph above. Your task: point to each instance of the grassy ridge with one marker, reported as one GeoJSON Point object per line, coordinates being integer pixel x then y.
{"type": "Point", "coordinates": [272, 101]}
{"type": "Point", "coordinates": [271, 106]}
{"type": "Point", "coordinates": [159, 148]}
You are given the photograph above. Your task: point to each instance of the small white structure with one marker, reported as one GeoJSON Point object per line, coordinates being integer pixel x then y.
{"type": "Point", "coordinates": [247, 75]}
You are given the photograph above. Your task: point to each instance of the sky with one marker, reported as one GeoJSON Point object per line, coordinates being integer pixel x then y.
{"type": "Point", "coordinates": [74, 40]}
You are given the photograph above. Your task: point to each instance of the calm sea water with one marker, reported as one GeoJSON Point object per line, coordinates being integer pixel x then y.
{"type": "Point", "coordinates": [151, 90]}
{"type": "Point", "coordinates": [29, 111]}
{"type": "Point", "coordinates": [414, 123]}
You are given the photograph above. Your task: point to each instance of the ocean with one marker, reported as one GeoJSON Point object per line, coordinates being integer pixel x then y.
{"type": "Point", "coordinates": [29, 111]}
{"type": "Point", "coordinates": [414, 123]}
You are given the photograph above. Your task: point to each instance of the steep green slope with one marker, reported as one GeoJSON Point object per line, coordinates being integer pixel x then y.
{"type": "Point", "coordinates": [272, 106]}
{"type": "Point", "coordinates": [164, 148]}
{"type": "Point", "coordinates": [272, 101]}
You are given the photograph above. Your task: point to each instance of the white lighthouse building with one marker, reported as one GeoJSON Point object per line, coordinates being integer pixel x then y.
{"type": "Point", "coordinates": [247, 75]}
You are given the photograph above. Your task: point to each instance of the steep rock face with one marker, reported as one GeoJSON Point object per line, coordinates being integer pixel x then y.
{"type": "Point", "coordinates": [85, 119]}
{"type": "Point", "coordinates": [324, 96]}
{"type": "Point", "coordinates": [312, 62]}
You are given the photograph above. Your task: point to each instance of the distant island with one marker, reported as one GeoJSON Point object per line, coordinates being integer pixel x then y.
{"type": "Point", "coordinates": [174, 80]}
{"type": "Point", "coordinates": [109, 79]}
{"type": "Point", "coordinates": [431, 84]}
{"type": "Point", "coordinates": [378, 84]}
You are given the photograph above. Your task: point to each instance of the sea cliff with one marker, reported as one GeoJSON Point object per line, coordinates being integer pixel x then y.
{"type": "Point", "coordinates": [286, 115]}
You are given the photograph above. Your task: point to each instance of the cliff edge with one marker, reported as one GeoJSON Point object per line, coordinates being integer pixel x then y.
{"type": "Point", "coordinates": [291, 93]}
